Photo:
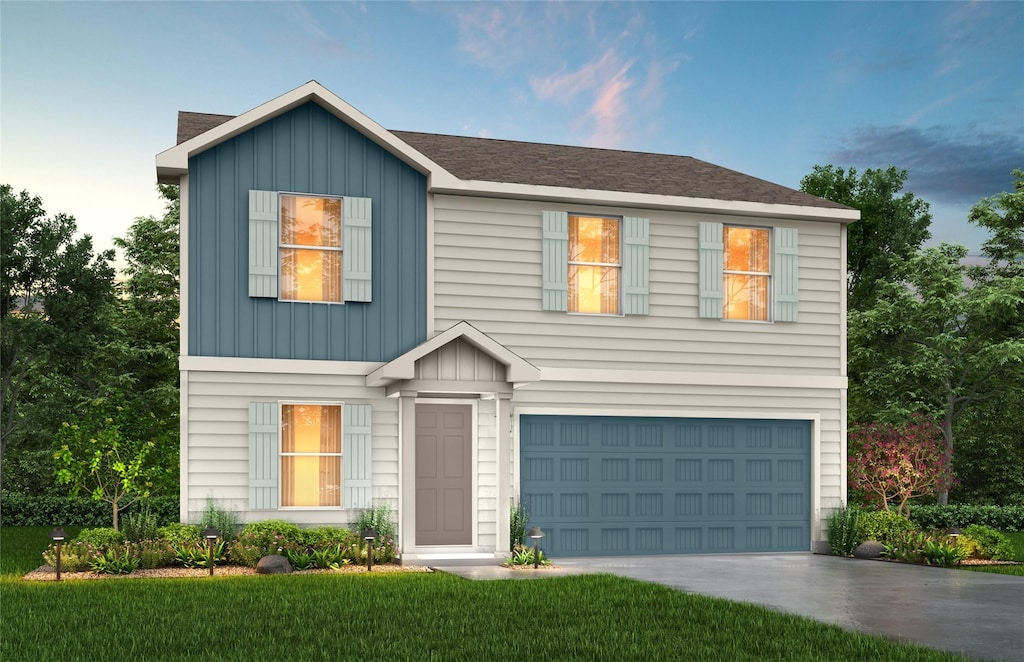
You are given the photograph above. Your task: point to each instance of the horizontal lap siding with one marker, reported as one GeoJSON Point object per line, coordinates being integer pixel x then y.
{"type": "Point", "coordinates": [218, 437]}
{"type": "Point", "coordinates": [487, 269]}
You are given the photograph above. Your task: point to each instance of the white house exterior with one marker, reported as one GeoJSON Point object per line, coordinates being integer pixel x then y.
{"type": "Point", "coordinates": [648, 351]}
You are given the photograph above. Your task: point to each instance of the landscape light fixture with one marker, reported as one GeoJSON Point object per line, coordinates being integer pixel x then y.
{"type": "Point", "coordinates": [58, 536]}
{"type": "Point", "coordinates": [368, 536]}
{"type": "Point", "coordinates": [954, 533]}
{"type": "Point", "coordinates": [536, 534]}
{"type": "Point", "coordinates": [211, 534]}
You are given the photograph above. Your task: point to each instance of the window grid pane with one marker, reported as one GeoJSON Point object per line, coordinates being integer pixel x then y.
{"type": "Point", "coordinates": [594, 265]}
{"type": "Point", "coordinates": [746, 273]}
{"type": "Point", "coordinates": [311, 455]}
{"type": "Point", "coordinates": [310, 274]}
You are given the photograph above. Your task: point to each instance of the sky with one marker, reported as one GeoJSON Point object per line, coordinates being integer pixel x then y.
{"type": "Point", "coordinates": [89, 91]}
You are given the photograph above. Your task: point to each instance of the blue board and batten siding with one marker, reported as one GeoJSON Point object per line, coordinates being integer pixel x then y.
{"type": "Point", "coordinates": [306, 150]}
{"type": "Point", "coordinates": [605, 486]}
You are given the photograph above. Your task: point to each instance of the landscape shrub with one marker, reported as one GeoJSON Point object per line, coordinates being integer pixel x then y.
{"type": "Point", "coordinates": [103, 537]}
{"type": "Point", "coordinates": [989, 543]}
{"type": "Point", "coordinates": [178, 534]}
{"type": "Point", "coordinates": [1003, 518]}
{"type": "Point", "coordinates": [517, 519]}
{"type": "Point", "coordinates": [227, 522]}
{"type": "Point", "coordinates": [115, 561]}
{"type": "Point", "coordinates": [842, 530]}
{"type": "Point", "coordinates": [918, 547]}
{"type": "Point", "coordinates": [523, 555]}
{"type": "Point", "coordinates": [140, 525]}
{"type": "Point", "coordinates": [74, 556]}
{"type": "Point", "coordinates": [30, 510]}
{"type": "Point", "coordinates": [258, 539]}
{"type": "Point", "coordinates": [153, 553]}
{"type": "Point", "coordinates": [883, 526]}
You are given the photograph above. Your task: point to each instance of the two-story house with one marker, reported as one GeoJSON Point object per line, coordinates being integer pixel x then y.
{"type": "Point", "coordinates": [647, 350]}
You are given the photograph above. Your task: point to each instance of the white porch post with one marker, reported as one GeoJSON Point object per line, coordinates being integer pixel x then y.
{"type": "Point", "coordinates": [503, 431]}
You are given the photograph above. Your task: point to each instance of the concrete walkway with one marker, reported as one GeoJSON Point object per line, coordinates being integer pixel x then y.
{"type": "Point", "coordinates": [977, 614]}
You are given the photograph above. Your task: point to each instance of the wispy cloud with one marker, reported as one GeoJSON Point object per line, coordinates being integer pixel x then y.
{"type": "Point", "coordinates": [603, 66]}
{"type": "Point", "coordinates": [967, 91]}
{"type": "Point", "coordinates": [943, 164]}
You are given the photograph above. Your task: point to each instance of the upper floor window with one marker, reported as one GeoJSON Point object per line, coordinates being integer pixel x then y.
{"type": "Point", "coordinates": [594, 265]}
{"type": "Point", "coordinates": [746, 269]}
{"type": "Point", "coordinates": [748, 273]}
{"type": "Point", "coordinates": [310, 247]}
{"type": "Point", "coordinates": [311, 250]}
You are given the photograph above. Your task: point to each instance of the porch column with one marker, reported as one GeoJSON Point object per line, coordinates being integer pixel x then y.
{"type": "Point", "coordinates": [406, 470]}
{"type": "Point", "coordinates": [503, 432]}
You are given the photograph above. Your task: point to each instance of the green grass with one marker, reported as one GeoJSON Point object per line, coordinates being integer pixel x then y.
{"type": "Point", "coordinates": [21, 548]}
{"type": "Point", "coordinates": [399, 617]}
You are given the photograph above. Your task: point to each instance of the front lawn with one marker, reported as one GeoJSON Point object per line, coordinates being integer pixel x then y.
{"type": "Point", "coordinates": [399, 616]}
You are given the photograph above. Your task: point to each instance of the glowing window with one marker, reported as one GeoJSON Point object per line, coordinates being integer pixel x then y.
{"type": "Point", "coordinates": [747, 272]}
{"type": "Point", "coordinates": [311, 455]}
{"type": "Point", "coordinates": [594, 265]}
{"type": "Point", "coordinates": [311, 250]}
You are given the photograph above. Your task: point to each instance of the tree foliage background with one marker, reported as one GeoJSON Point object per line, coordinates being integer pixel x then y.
{"type": "Point", "coordinates": [71, 333]}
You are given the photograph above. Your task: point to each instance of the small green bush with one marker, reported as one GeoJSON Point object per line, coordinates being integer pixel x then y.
{"type": "Point", "coordinates": [523, 555]}
{"type": "Point", "coordinates": [842, 530]}
{"type": "Point", "coordinates": [1003, 518]}
{"type": "Point", "coordinates": [140, 525]}
{"type": "Point", "coordinates": [178, 534]}
{"type": "Point", "coordinates": [258, 539]}
{"type": "Point", "coordinates": [103, 538]}
{"type": "Point", "coordinates": [327, 536]}
{"type": "Point", "coordinates": [74, 556]}
{"type": "Point", "coordinates": [115, 561]}
{"type": "Point", "coordinates": [383, 523]}
{"type": "Point", "coordinates": [883, 526]}
{"type": "Point", "coordinates": [991, 544]}
{"type": "Point", "coordinates": [517, 520]}
{"type": "Point", "coordinates": [227, 522]}
{"type": "Point", "coordinates": [153, 553]}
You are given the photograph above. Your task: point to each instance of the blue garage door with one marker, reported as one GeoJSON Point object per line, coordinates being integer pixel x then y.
{"type": "Point", "coordinates": [605, 486]}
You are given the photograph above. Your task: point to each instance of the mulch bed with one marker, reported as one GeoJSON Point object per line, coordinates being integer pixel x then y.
{"type": "Point", "coordinates": [47, 573]}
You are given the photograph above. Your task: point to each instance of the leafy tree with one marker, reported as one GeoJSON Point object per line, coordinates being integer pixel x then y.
{"type": "Point", "coordinates": [55, 299]}
{"type": "Point", "coordinates": [891, 228]}
{"type": "Point", "coordinates": [109, 452]}
{"type": "Point", "coordinates": [893, 464]}
{"type": "Point", "coordinates": [1005, 248]}
{"type": "Point", "coordinates": [933, 341]}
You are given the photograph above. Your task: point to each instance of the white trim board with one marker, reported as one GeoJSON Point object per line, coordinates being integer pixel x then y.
{"type": "Point", "coordinates": [690, 378]}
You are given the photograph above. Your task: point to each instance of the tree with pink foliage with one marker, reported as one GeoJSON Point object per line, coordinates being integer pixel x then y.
{"type": "Point", "coordinates": [894, 463]}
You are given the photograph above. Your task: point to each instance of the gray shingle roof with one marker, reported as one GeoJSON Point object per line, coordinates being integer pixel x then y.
{"type": "Point", "coordinates": [514, 162]}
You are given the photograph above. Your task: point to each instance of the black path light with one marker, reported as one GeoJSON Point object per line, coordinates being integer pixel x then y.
{"type": "Point", "coordinates": [536, 534]}
{"type": "Point", "coordinates": [211, 534]}
{"type": "Point", "coordinates": [368, 536]}
{"type": "Point", "coordinates": [58, 536]}
{"type": "Point", "coordinates": [954, 533]}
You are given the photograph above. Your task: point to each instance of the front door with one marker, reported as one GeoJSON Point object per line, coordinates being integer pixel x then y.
{"type": "Point", "coordinates": [444, 442]}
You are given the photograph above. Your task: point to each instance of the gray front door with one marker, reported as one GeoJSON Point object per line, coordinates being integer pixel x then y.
{"type": "Point", "coordinates": [444, 443]}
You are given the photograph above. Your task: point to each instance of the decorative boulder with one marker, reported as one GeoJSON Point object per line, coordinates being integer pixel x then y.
{"type": "Point", "coordinates": [275, 564]}
{"type": "Point", "coordinates": [869, 549]}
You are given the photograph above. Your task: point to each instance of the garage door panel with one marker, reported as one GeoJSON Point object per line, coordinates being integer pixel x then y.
{"type": "Point", "coordinates": [614, 485]}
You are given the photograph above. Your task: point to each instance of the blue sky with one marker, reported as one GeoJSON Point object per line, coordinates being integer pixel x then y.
{"type": "Point", "coordinates": [89, 91]}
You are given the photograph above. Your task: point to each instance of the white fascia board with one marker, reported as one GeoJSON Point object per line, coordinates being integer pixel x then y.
{"type": "Point", "coordinates": [173, 162]}
{"type": "Point", "coordinates": [454, 186]}
{"type": "Point", "coordinates": [692, 378]}
{"type": "Point", "coordinates": [275, 366]}
{"type": "Point", "coordinates": [404, 367]}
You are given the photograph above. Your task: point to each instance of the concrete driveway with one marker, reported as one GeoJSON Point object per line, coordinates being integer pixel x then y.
{"type": "Point", "coordinates": [977, 614]}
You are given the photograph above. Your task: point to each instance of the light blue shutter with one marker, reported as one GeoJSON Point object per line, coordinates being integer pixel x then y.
{"type": "Point", "coordinates": [786, 274]}
{"type": "Point", "coordinates": [636, 264]}
{"type": "Point", "coordinates": [710, 270]}
{"type": "Point", "coordinates": [357, 457]}
{"type": "Point", "coordinates": [357, 249]}
{"type": "Point", "coordinates": [263, 455]}
{"type": "Point", "coordinates": [555, 260]}
{"type": "Point", "coordinates": [263, 243]}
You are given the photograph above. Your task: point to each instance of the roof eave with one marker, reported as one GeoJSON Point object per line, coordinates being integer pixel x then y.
{"type": "Point", "coordinates": [449, 184]}
{"type": "Point", "coordinates": [173, 163]}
